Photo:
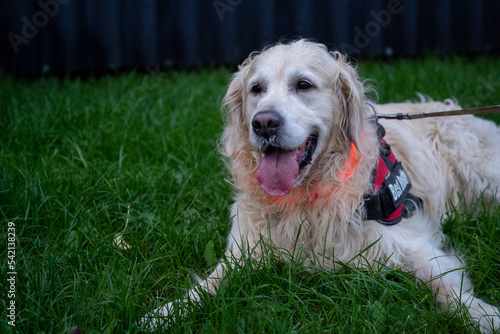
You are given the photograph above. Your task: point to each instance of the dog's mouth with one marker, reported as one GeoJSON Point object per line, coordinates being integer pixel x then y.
{"type": "Point", "coordinates": [279, 169]}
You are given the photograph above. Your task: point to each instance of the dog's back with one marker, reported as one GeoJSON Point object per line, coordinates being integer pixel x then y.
{"type": "Point", "coordinates": [447, 158]}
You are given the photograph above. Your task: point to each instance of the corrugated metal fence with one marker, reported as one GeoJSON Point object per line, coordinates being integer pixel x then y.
{"type": "Point", "coordinates": [72, 35]}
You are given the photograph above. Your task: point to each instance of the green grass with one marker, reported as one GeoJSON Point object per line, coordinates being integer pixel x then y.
{"type": "Point", "coordinates": [83, 160]}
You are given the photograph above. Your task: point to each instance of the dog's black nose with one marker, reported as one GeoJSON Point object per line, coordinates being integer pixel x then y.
{"type": "Point", "coordinates": [266, 123]}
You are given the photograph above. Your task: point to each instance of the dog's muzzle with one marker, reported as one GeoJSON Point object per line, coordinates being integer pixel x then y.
{"type": "Point", "coordinates": [279, 167]}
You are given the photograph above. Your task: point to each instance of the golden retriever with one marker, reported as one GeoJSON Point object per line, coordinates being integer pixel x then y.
{"type": "Point", "coordinates": [302, 144]}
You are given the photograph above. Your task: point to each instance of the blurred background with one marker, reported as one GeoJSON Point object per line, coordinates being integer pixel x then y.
{"type": "Point", "coordinates": [54, 36]}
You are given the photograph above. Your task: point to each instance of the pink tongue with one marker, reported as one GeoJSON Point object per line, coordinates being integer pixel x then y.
{"type": "Point", "coordinates": [278, 171]}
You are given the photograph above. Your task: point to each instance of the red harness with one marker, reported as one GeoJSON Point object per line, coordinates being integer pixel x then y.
{"type": "Point", "coordinates": [389, 199]}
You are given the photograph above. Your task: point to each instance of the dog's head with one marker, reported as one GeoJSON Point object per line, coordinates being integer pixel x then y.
{"type": "Point", "coordinates": [288, 106]}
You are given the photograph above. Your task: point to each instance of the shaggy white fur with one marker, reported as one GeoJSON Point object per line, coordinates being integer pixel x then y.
{"type": "Point", "coordinates": [303, 91]}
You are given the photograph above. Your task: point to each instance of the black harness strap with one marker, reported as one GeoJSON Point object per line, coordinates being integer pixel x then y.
{"type": "Point", "coordinates": [390, 199]}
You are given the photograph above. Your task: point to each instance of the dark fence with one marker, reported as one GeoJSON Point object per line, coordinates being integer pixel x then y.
{"type": "Point", "coordinates": [77, 35]}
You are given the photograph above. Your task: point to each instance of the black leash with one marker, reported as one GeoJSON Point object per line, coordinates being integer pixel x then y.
{"type": "Point", "coordinates": [469, 111]}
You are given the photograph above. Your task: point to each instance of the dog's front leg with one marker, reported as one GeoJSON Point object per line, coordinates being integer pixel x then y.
{"type": "Point", "coordinates": [164, 316]}
{"type": "Point", "coordinates": [238, 244]}
{"type": "Point", "coordinates": [443, 274]}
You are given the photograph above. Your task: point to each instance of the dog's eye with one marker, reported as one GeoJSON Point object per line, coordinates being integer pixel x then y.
{"type": "Point", "coordinates": [256, 88]}
{"type": "Point", "coordinates": [302, 84]}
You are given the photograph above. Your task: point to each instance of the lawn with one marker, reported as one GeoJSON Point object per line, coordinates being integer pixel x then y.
{"type": "Point", "coordinates": [88, 163]}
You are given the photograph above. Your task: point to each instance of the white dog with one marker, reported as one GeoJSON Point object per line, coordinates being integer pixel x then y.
{"type": "Point", "coordinates": [305, 156]}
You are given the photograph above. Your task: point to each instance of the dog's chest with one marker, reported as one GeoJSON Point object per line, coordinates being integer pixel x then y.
{"type": "Point", "coordinates": [319, 233]}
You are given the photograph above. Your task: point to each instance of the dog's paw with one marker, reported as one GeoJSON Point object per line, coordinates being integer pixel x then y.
{"type": "Point", "coordinates": [487, 316]}
{"type": "Point", "coordinates": [165, 316]}
{"type": "Point", "coordinates": [161, 317]}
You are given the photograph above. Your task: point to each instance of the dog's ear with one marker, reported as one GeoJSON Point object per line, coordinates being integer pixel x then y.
{"type": "Point", "coordinates": [232, 106]}
{"type": "Point", "coordinates": [351, 94]}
